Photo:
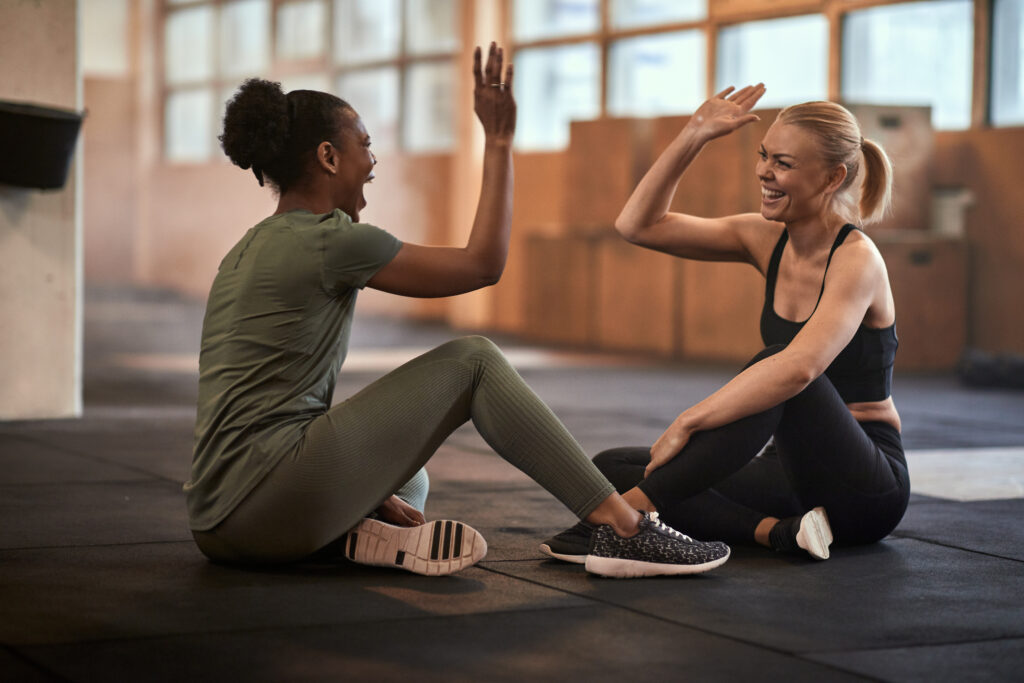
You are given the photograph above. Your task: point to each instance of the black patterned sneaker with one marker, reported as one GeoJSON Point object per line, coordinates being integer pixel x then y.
{"type": "Point", "coordinates": [811, 533]}
{"type": "Point", "coordinates": [432, 549]}
{"type": "Point", "coordinates": [572, 545]}
{"type": "Point", "coordinates": [655, 550]}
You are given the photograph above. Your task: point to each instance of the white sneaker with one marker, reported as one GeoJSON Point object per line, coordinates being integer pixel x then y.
{"type": "Point", "coordinates": [815, 534]}
{"type": "Point", "coordinates": [436, 548]}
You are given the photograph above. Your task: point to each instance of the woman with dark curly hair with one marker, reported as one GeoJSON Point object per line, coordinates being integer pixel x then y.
{"type": "Point", "coordinates": [277, 472]}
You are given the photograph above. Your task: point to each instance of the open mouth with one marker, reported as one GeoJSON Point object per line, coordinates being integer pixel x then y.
{"type": "Point", "coordinates": [769, 196]}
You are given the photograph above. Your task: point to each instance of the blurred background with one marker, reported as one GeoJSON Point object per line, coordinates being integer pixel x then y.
{"type": "Point", "coordinates": [602, 87]}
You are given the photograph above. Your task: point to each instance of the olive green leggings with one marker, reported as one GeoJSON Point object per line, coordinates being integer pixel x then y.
{"type": "Point", "coordinates": [374, 444]}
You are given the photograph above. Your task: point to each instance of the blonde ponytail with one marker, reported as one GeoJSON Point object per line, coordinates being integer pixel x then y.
{"type": "Point", "coordinates": [876, 189]}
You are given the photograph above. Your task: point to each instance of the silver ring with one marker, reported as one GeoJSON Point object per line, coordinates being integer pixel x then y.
{"type": "Point", "coordinates": [497, 85]}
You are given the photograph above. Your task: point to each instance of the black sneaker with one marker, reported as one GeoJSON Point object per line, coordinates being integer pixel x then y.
{"type": "Point", "coordinates": [433, 549]}
{"type": "Point", "coordinates": [572, 545]}
{"type": "Point", "coordinates": [655, 550]}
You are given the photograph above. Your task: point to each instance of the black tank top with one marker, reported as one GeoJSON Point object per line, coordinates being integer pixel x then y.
{"type": "Point", "coordinates": [863, 370]}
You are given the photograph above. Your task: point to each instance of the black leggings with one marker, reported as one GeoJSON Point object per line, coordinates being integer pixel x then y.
{"type": "Point", "coordinates": [721, 485]}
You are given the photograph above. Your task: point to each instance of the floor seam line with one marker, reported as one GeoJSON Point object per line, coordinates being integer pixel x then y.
{"type": "Point", "coordinates": [665, 620]}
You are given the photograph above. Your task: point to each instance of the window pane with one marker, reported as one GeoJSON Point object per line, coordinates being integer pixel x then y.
{"type": "Point", "coordinates": [630, 13]}
{"type": "Point", "coordinates": [317, 81]}
{"type": "Point", "coordinates": [429, 123]}
{"type": "Point", "coordinates": [917, 54]}
{"type": "Point", "coordinates": [187, 125]}
{"type": "Point", "coordinates": [374, 94]}
{"type": "Point", "coordinates": [1008, 63]}
{"type": "Point", "coordinates": [366, 30]}
{"type": "Point", "coordinates": [789, 55]}
{"type": "Point", "coordinates": [300, 29]}
{"type": "Point", "coordinates": [244, 37]}
{"type": "Point", "coordinates": [534, 19]}
{"type": "Point", "coordinates": [556, 85]}
{"type": "Point", "coordinates": [431, 26]}
{"type": "Point", "coordinates": [188, 45]}
{"type": "Point", "coordinates": [657, 74]}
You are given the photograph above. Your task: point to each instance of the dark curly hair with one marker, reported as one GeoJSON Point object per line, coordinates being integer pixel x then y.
{"type": "Point", "coordinates": [274, 134]}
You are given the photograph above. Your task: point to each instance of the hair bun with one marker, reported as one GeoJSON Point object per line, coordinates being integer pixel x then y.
{"type": "Point", "coordinates": [256, 124]}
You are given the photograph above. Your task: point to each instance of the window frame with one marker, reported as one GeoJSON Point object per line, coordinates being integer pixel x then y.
{"type": "Point", "coordinates": [280, 68]}
{"type": "Point", "coordinates": [726, 13]}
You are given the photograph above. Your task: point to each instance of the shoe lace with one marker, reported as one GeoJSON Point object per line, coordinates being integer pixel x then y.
{"type": "Point", "coordinates": [666, 529]}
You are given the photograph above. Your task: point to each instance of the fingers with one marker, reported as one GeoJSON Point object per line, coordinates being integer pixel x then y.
{"type": "Point", "coordinates": [492, 72]}
{"type": "Point", "coordinates": [478, 77]}
{"type": "Point", "coordinates": [748, 96]}
{"type": "Point", "coordinates": [508, 77]}
{"type": "Point", "coordinates": [725, 93]}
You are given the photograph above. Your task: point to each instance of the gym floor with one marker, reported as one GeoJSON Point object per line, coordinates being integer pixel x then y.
{"type": "Point", "coordinates": [100, 581]}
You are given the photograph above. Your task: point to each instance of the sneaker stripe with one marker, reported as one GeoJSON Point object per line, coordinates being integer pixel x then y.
{"type": "Point", "coordinates": [457, 550]}
{"type": "Point", "coordinates": [446, 552]}
{"type": "Point", "coordinates": [352, 538]}
{"type": "Point", "coordinates": [435, 542]}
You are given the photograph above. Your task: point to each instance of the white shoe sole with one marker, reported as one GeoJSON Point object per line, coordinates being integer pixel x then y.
{"type": "Point", "coordinates": [629, 569]}
{"type": "Point", "coordinates": [815, 534]}
{"type": "Point", "coordinates": [574, 559]}
{"type": "Point", "coordinates": [436, 548]}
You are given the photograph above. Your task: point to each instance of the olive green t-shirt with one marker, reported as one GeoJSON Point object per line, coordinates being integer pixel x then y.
{"type": "Point", "coordinates": [274, 337]}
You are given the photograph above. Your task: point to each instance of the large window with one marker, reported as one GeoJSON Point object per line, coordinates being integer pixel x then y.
{"type": "Point", "coordinates": [917, 53]}
{"type": "Point", "coordinates": [384, 56]}
{"type": "Point", "coordinates": [394, 60]}
{"type": "Point", "coordinates": [643, 78]}
{"type": "Point", "coordinates": [790, 56]}
{"type": "Point", "coordinates": [1008, 63]}
{"type": "Point", "coordinates": [579, 59]}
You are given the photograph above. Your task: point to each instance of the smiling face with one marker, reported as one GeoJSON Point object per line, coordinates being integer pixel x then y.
{"type": "Point", "coordinates": [353, 165]}
{"type": "Point", "coordinates": [795, 183]}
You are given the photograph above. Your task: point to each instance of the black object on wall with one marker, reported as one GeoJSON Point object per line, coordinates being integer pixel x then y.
{"type": "Point", "coordinates": [36, 144]}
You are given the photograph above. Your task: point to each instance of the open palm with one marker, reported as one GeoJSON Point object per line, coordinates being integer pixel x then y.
{"type": "Point", "coordinates": [727, 111]}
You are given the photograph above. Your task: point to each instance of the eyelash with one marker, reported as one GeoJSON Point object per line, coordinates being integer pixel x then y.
{"type": "Point", "coordinates": [764, 156]}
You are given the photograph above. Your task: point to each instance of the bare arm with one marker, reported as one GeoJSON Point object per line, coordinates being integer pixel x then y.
{"type": "Point", "coordinates": [646, 220]}
{"type": "Point", "coordinates": [851, 285]}
{"type": "Point", "coordinates": [424, 271]}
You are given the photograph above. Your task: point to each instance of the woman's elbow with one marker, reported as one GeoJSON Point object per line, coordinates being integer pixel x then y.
{"type": "Point", "coordinates": [629, 230]}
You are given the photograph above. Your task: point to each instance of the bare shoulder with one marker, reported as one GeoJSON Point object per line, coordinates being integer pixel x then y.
{"type": "Point", "coordinates": [758, 235]}
{"type": "Point", "coordinates": [860, 251]}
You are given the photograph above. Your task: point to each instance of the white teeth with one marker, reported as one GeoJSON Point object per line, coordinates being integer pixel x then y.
{"type": "Point", "coordinates": [771, 194]}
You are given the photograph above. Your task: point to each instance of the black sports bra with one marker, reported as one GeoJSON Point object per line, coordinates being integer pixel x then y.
{"type": "Point", "coordinates": [863, 370]}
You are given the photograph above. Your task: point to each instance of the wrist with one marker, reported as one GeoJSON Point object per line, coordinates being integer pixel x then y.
{"type": "Point", "coordinates": [498, 142]}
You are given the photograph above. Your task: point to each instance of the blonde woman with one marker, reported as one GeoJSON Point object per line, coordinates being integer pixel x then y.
{"type": "Point", "coordinates": [820, 390]}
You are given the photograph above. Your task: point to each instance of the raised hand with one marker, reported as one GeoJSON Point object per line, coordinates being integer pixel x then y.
{"type": "Point", "coordinates": [492, 96]}
{"type": "Point", "coordinates": [726, 111]}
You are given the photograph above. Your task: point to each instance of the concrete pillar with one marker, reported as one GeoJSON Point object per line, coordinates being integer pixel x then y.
{"type": "Point", "coordinates": [40, 230]}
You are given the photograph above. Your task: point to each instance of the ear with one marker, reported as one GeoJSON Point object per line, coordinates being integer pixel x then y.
{"type": "Point", "coordinates": [836, 179]}
{"type": "Point", "coordinates": [327, 157]}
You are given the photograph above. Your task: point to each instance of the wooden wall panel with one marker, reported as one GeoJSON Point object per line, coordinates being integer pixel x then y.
{"type": "Point", "coordinates": [637, 298]}
{"type": "Point", "coordinates": [929, 285]}
{"type": "Point", "coordinates": [539, 204]}
{"type": "Point", "coordinates": [110, 180]}
{"type": "Point", "coordinates": [988, 163]}
{"type": "Point", "coordinates": [561, 290]}
{"type": "Point", "coordinates": [605, 160]}
{"type": "Point", "coordinates": [721, 309]}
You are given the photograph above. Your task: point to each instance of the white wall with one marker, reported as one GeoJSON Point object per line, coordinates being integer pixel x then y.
{"type": "Point", "coordinates": [40, 231]}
